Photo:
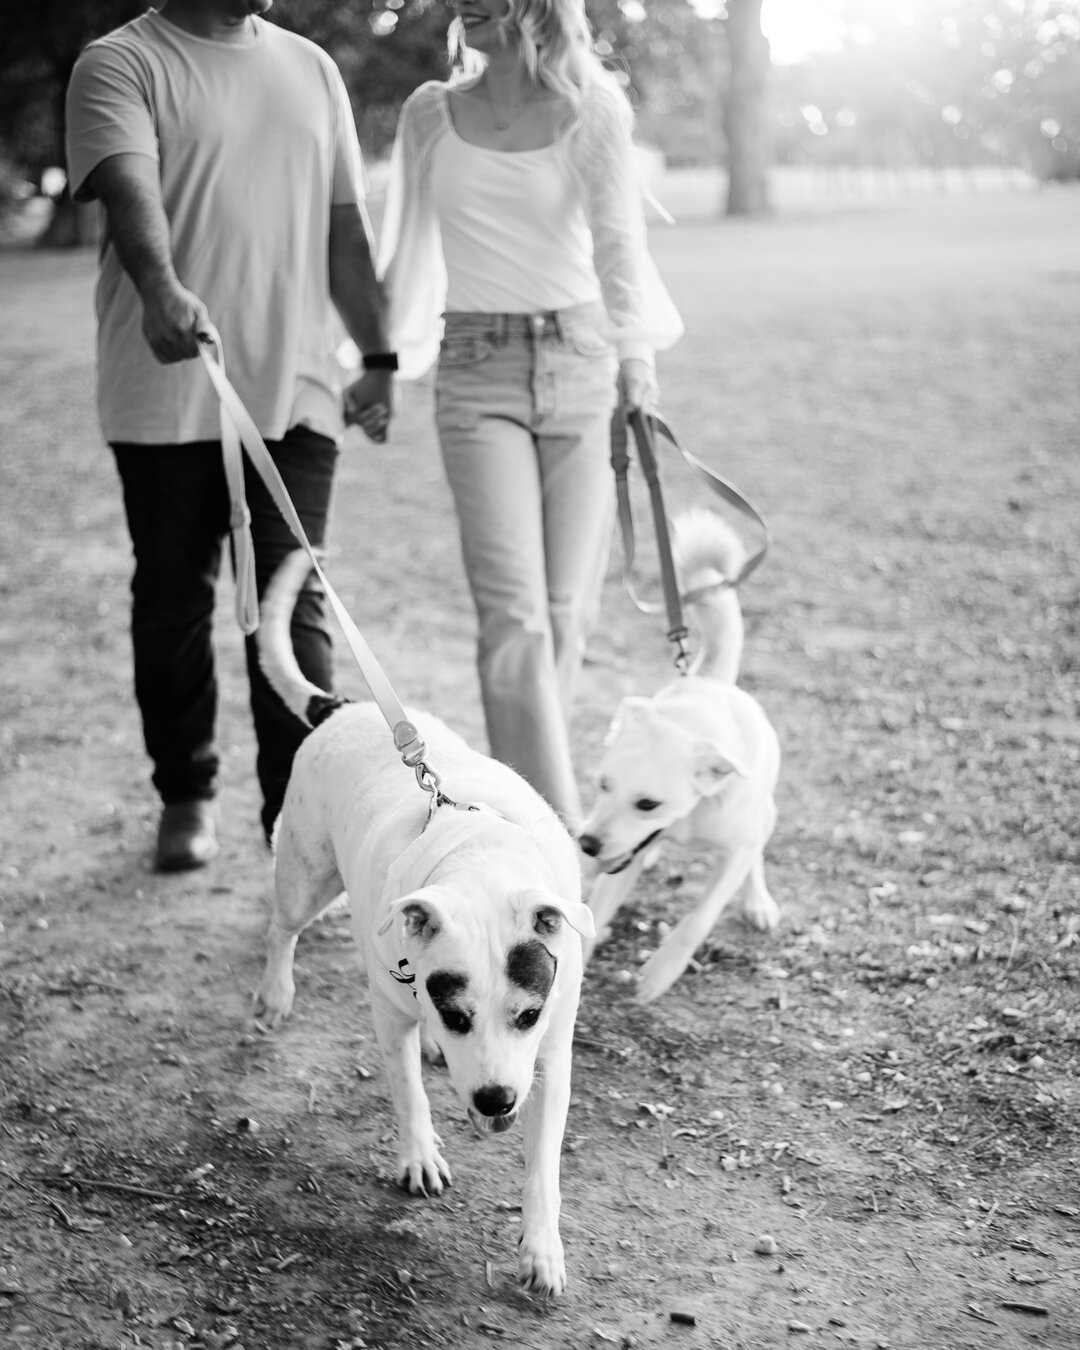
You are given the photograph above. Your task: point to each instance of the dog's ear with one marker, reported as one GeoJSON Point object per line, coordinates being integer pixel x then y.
{"type": "Point", "coordinates": [421, 911]}
{"type": "Point", "coordinates": [547, 916]}
{"type": "Point", "coordinates": [712, 766]}
{"type": "Point", "coordinates": [630, 710]}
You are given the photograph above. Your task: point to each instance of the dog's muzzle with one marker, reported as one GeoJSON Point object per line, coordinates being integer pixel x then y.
{"type": "Point", "coordinates": [491, 1124]}
{"type": "Point", "coordinates": [591, 845]}
{"type": "Point", "coordinates": [493, 1109]}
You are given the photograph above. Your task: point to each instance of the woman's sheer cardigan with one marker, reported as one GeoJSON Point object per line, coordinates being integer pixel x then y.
{"type": "Point", "coordinates": [599, 149]}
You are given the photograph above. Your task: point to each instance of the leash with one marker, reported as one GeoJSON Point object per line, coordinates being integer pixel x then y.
{"type": "Point", "coordinates": [239, 430]}
{"type": "Point", "coordinates": [645, 427]}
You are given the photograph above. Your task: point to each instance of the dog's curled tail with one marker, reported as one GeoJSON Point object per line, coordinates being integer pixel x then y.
{"type": "Point", "coordinates": [708, 553]}
{"type": "Point", "coordinates": [706, 548]}
{"type": "Point", "coordinates": [274, 641]}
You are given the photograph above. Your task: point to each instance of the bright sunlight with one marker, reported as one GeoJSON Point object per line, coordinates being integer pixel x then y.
{"type": "Point", "coordinates": [796, 28]}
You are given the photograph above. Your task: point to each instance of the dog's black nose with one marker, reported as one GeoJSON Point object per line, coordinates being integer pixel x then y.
{"type": "Point", "coordinates": [589, 845]}
{"type": "Point", "coordinates": [494, 1100]}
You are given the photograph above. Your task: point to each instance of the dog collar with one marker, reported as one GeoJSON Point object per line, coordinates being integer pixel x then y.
{"type": "Point", "coordinates": [456, 823]}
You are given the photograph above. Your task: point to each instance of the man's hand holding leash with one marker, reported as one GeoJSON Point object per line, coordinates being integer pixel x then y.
{"type": "Point", "coordinates": [172, 318]}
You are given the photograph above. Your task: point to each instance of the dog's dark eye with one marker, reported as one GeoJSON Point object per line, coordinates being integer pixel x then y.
{"type": "Point", "coordinates": [458, 1022]}
{"type": "Point", "coordinates": [528, 1018]}
{"type": "Point", "coordinates": [645, 804]}
{"type": "Point", "coordinates": [603, 785]}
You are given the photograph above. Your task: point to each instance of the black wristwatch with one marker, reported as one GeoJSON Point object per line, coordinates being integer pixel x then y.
{"type": "Point", "coordinates": [380, 361]}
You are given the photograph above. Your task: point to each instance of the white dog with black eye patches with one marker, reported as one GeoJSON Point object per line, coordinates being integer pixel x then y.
{"type": "Point", "coordinates": [697, 762]}
{"type": "Point", "coordinates": [470, 925]}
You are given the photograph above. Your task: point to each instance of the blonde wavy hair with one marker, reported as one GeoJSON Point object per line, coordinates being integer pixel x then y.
{"type": "Point", "coordinates": [555, 41]}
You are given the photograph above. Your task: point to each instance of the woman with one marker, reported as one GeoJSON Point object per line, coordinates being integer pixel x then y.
{"type": "Point", "coordinates": [515, 212]}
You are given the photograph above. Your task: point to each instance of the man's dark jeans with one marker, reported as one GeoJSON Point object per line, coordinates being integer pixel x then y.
{"type": "Point", "coordinates": [178, 513]}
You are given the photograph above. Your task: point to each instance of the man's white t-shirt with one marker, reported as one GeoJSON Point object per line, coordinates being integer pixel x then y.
{"type": "Point", "coordinates": [255, 141]}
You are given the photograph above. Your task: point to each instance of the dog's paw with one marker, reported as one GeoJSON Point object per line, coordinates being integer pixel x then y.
{"type": "Point", "coordinates": [541, 1266]}
{"type": "Point", "coordinates": [762, 911]}
{"type": "Point", "coordinates": [423, 1171]}
{"type": "Point", "coordinates": [273, 1002]}
{"type": "Point", "coordinates": [656, 977]}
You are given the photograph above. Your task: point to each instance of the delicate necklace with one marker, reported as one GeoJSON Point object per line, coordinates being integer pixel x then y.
{"type": "Point", "coordinates": [503, 121]}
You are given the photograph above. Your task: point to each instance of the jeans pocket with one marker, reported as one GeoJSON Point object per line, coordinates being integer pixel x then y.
{"type": "Point", "coordinates": [464, 349]}
{"type": "Point", "coordinates": [586, 339]}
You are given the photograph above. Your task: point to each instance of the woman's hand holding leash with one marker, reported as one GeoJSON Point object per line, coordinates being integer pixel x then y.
{"type": "Point", "coordinates": [369, 403]}
{"type": "Point", "coordinates": [637, 385]}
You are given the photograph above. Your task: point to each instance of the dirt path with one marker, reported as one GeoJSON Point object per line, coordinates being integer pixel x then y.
{"type": "Point", "coordinates": [887, 1087]}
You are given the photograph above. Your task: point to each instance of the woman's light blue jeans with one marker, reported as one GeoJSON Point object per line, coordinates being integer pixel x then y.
{"type": "Point", "coordinates": [523, 410]}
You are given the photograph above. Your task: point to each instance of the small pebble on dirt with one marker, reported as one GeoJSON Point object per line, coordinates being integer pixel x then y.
{"type": "Point", "coordinates": [624, 977]}
{"type": "Point", "coordinates": [766, 1245]}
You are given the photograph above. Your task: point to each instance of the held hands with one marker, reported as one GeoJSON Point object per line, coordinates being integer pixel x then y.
{"type": "Point", "coordinates": [172, 316]}
{"type": "Point", "coordinates": [637, 385]}
{"type": "Point", "coordinates": [369, 403]}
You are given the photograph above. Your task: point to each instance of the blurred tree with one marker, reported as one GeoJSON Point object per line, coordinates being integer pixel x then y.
{"type": "Point", "coordinates": [670, 57]}
{"type": "Point", "coordinates": [677, 58]}
{"type": "Point", "coordinates": [944, 83]}
{"type": "Point", "coordinates": [39, 44]}
{"type": "Point", "coordinates": [384, 49]}
{"type": "Point", "coordinates": [744, 110]}
{"type": "Point", "coordinates": [663, 50]}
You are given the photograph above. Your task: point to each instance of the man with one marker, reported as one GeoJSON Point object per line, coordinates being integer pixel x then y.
{"type": "Point", "coordinates": [224, 152]}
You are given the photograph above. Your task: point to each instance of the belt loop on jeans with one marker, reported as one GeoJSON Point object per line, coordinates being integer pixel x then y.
{"type": "Point", "coordinates": [557, 320]}
{"type": "Point", "coordinates": [500, 329]}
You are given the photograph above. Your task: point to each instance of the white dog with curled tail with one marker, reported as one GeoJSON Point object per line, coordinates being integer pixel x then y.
{"type": "Point", "coordinates": [470, 925]}
{"type": "Point", "coordinates": [697, 762]}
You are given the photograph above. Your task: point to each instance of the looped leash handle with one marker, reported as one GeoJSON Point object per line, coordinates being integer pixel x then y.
{"type": "Point", "coordinates": [238, 429]}
{"type": "Point", "coordinates": [645, 428]}
{"type": "Point", "coordinates": [725, 490]}
{"type": "Point", "coordinates": [243, 550]}
{"type": "Point", "coordinates": [677, 632]}
{"type": "Point", "coordinates": [620, 464]}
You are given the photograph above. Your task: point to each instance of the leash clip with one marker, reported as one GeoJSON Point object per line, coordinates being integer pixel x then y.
{"type": "Point", "coordinates": [409, 745]}
{"type": "Point", "coordinates": [682, 655]}
{"type": "Point", "coordinates": [412, 749]}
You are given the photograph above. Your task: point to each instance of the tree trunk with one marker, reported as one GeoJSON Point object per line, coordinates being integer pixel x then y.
{"type": "Point", "coordinates": [744, 110]}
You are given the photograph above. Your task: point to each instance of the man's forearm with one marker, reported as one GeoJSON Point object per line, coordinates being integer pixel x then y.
{"type": "Point", "coordinates": [354, 288]}
{"type": "Point", "coordinates": [139, 231]}
{"type": "Point", "coordinates": [128, 188]}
